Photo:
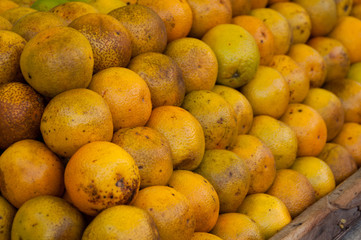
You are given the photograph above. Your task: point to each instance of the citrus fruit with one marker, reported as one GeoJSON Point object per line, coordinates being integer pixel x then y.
{"type": "Point", "coordinates": [309, 126]}
{"type": "Point", "coordinates": [294, 190]}
{"type": "Point", "coordinates": [11, 48]}
{"type": "Point", "coordinates": [122, 222]}
{"type": "Point", "coordinates": [201, 195]}
{"type": "Point", "coordinates": [350, 138]}
{"type": "Point", "coordinates": [176, 15]}
{"type": "Point", "coordinates": [259, 3]}
{"type": "Point", "coordinates": [14, 14]}
{"type": "Point", "coordinates": [356, 11]}
{"type": "Point", "coordinates": [339, 159]}
{"type": "Point", "coordinates": [29, 169]}
{"type": "Point", "coordinates": [183, 132]}
{"type": "Point", "coordinates": [126, 94]}
{"type": "Point", "coordinates": [170, 210]}
{"type": "Point", "coordinates": [268, 92]}
{"type": "Point", "coordinates": [216, 116]}
{"type": "Point", "coordinates": [259, 159]}
{"type": "Point", "coordinates": [236, 51]}
{"type": "Point", "coordinates": [21, 108]}
{"type": "Point", "coordinates": [354, 72]}
{"type": "Point", "coordinates": [261, 33]}
{"type": "Point", "coordinates": [240, 7]}
{"type": "Point", "coordinates": [228, 174]}
{"type": "Point", "coordinates": [329, 106]}
{"type": "Point", "coordinates": [100, 175]}
{"type": "Point", "coordinates": [56, 60]}
{"type": "Point", "coordinates": [295, 76]}
{"type": "Point", "coordinates": [317, 172]}
{"type": "Point", "coordinates": [5, 24]}
{"type": "Point", "coordinates": [278, 137]}
{"type": "Point", "coordinates": [232, 226]}
{"type": "Point", "coordinates": [151, 152]}
{"type": "Point", "coordinates": [335, 55]}
{"type": "Point", "coordinates": [163, 77]}
{"type": "Point", "coordinates": [7, 4]}
{"type": "Point", "coordinates": [297, 17]}
{"type": "Point", "coordinates": [269, 213]}
{"type": "Point", "coordinates": [311, 61]}
{"type": "Point", "coordinates": [343, 7]}
{"type": "Point", "coordinates": [47, 217]}
{"type": "Point", "coordinates": [278, 25]}
{"type": "Point", "coordinates": [207, 14]}
{"type": "Point", "coordinates": [240, 104]}
{"type": "Point", "coordinates": [197, 62]}
{"type": "Point", "coordinates": [70, 11]}
{"type": "Point", "coordinates": [31, 24]}
{"type": "Point", "coordinates": [110, 41]}
{"type": "Point", "coordinates": [7, 213]}
{"type": "Point", "coordinates": [204, 236]}
{"type": "Point", "coordinates": [106, 6]}
{"type": "Point", "coordinates": [146, 29]}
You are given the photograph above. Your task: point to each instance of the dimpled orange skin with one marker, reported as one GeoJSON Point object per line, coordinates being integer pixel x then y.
{"type": "Point", "coordinates": [309, 127]}
{"type": "Point", "coordinates": [21, 109]}
{"type": "Point", "coordinates": [100, 175]}
{"type": "Point", "coordinates": [110, 40]}
{"type": "Point", "coordinates": [70, 11]}
{"type": "Point", "coordinates": [29, 169]}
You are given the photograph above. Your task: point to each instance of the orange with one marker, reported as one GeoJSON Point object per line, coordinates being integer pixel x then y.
{"type": "Point", "coordinates": [11, 48]}
{"type": "Point", "coordinates": [106, 6]}
{"type": "Point", "coordinates": [295, 76]}
{"type": "Point", "coordinates": [258, 3]}
{"type": "Point", "coordinates": [126, 94]}
{"type": "Point", "coordinates": [294, 190]}
{"type": "Point", "coordinates": [100, 175]}
{"type": "Point", "coordinates": [208, 14]}
{"type": "Point", "coordinates": [170, 210]}
{"type": "Point", "coordinates": [163, 77]}
{"type": "Point", "coordinates": [216, 116]}
{"type": "Point", "coordinates": [236, 226]}
{"type": "Point", "coordinates": [329, 106]}
{"type": "Point", "coordinates": [240, 104]}
{"type": "Point", "coordinates": [356, 11]}
{"type": "Point", "coordinates": [278, 137]}
{"type": "Point", "coordinates": [278, 25]}
{"type": "Point", "coordinates": [311, 61]}
{"type": "Point", "coordinates": [74, 118]}
{"type": "Point", "coordinates": [240, 7]}
{"type": "Point", "coordinates": [176, 15]}
{"type": "Point", "coordinates": [228, 174]}
{"type": "Point", "coordinates": [56, 60]}
{"type": "Point", "coordinates": [346, 31]}
{"type": "Point", "coordinates": [269, 212]}
{"type": "Point", "coordinates": [14, 14]}
{"type": "Point", "coordinates": [197, 61]}
{"type": "Point", "coordinates": [350, 138]}
{"type": "Point", "coordinates": [183, 132]}
{"type": "Point", "coordinates": [7, 213]}
{"type": "Point", "coordinates": [69, 11]}
{"type": "Point", "coordinates": [29, 169]}
{"type": "Point", "coordinates": [7, 4]}
{"type": "Point", "coordinates": [110, 40]}
{"type": "Point", "coordinates": [354, 72]}
{"type": "Point", "coordinates": [21, 108]}
{"type": "Point", "coordinates": [261, 33]}
{"type": "Point", "coordinates": [122, 222]}
{"type": "Point", "coordinates": [309, 126]}
{"type": "Point", "coordinates": [349, 92]}
{"type": "Point", "coordinates": [323, 14]}
{"type": "Point", "coordinates": [49, 217]}
{"type": "Point", "coordinates": [201, 195]}
{"type": "Point", "coordinates": [146, 29]}
{"type": "Point", "coordinates": [339, 159]}
{"type": "Point", "coordinates": [268, 92]}
{"type": "Point", "coordinates": [151, 152]}
{"type": "Point", "coordinates": [318, 173]}
{"type": "Point", "coordinates": [259, 159]}
{"type": "Point", "coordinates": [297, 17]}
{"type": "Point", "coordinates": [204, 236]}
{"type": "Point", "coordinates": [31, 24]}
{"type": "Point", "coordinates": [335, 55]}
{"type": "Point", "coordinates": [343, 7]}
{"type": "Point", "coordinates": [5, 24]}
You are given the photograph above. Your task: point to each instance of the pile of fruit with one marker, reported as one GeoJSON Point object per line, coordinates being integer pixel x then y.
{"type": "Point", "coordinates": [174, 119]}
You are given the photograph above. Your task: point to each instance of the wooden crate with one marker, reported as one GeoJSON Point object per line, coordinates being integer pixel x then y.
{"type": "Point", "coordinates": [331, 217]}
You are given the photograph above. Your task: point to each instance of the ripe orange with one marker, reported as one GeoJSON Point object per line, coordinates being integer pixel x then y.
{"type": "Point", "coordinates": [176, 15]}
{"type": "Point", "coordinates": [201, 195]}
{"type": "Point", "coordinates": [29, 169]}
{"type": "Point", "coordinates": [204, 236]}
{"type": "Point", "coordinates": [183, 132]}
{"type": "Point", "coordinates": [126, 94]}
{"type": "Point", "coordinates": [69, 11]}
{"type": "Point", "coordinates": [100, 175]}
{"type": "Point", "coordinates": [7, 212]}
{"type": "Point", "coordinates": [14, 14]}
{"type": "Point", "coordinates": [170, 210]}
{"type": "Point", "coordinates": [7, 4]}
{"type": "Point", "coordinates": [5, 24]}
{"type": "Point", "coordinates": [240, 7]}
